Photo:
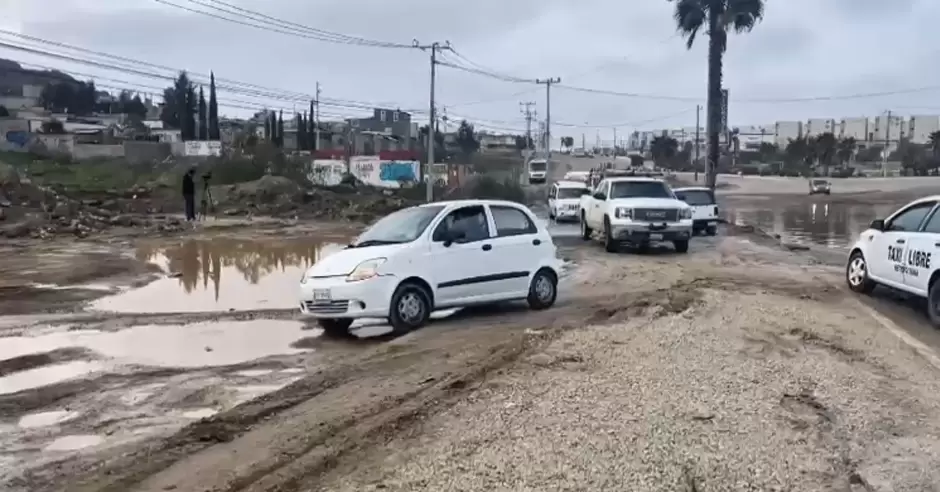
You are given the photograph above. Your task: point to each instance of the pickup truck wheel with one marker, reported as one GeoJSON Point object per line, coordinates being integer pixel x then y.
{"type": "Point", "coordinates": [585, 230]}
{"type": "Point", "coordinates": [711, 230]}
{"type": "Point", "coordinates": [609, 244]}
{"type": "Point", "coordinates": [682, 246]}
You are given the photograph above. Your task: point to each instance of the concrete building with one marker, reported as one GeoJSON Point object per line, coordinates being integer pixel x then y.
{"type": "Point", "coordinates": [859, 128]}
{"type": "Point", "coordinates": [817, 126]}
{"type": "Point", "coordinates": [921, 126]}
{"type": "Point", "coordinates": [750, 137]}
{"type": "Point", "coordinates": [784, 131]}
{"type": "Point", "coordinates": [891, 131]}
{"type": "Point", "coordinates": [389, 122]}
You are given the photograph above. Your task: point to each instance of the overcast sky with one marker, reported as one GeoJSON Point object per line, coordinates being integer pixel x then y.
{"type": "Point", "coordinates": [804, 48]}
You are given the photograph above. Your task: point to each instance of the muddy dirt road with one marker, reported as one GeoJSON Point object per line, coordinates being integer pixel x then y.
{"type": "Point", "coordinates": [653, 371]}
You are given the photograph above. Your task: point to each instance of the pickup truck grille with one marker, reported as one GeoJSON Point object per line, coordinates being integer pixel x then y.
{"type": "Point", "coordinates": [656, 214]}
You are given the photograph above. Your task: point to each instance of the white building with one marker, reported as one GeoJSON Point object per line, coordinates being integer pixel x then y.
{"type": "Point", "coordinates": [859, 128]}
{"type": "Point", "coordinates": [817, 126]}
{"type": "Point", "coordinates": [921, 126]}
{"type": "Point", "coordinates": [784, 131]}
{"type": "Point", "coordinates": [750, 137]}
{"type": "Point", "coordinates": [885, 130]}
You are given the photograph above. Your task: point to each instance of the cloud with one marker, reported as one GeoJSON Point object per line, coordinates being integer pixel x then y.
{"type": "Point", "coordinates": [803, 48]}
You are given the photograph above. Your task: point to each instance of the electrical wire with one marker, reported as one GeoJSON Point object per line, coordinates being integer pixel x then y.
{"type": "Point", "coordinates": [273, 24]}
{"type": "Point", "coordinates": [863, 95]}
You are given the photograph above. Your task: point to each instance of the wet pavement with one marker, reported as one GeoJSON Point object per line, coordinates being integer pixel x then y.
{"type": "Point", "coordinates": [832, 225]}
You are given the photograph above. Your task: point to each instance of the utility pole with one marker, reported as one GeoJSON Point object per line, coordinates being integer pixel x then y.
{"type": "Point", "coordinates": [316, 120]}
{"type": "Point", "coordinates": [434, 47]}
{"type": "Point", "coordinates": [884, 153]}
{"type": "Point", "coordinates": [548, 110]}
{"type": "Point", "coordinates": [615, 142]}
{"type": "Point", "coordinates": [526, 108]}
{"type": "Point", "coordinates": [698, 116]}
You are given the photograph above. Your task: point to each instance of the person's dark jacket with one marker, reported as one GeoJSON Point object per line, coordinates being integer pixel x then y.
{"type": "Point", "coordinates": [189, 187]}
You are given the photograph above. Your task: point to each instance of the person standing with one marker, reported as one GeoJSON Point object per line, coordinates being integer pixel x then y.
{"type": "Point", "coordinates": [189, 194]}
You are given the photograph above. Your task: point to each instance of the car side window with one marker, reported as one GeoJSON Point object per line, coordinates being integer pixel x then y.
{"type": "Point", "coordinates": [601, 188]}
{"type": "Point", "coordinates": [933, 223]}
{"type": "Point", "coordinates": [910, 219]}
{"type": "Point", "coordinates": [468, 224]}
{"type": "Point", "coordinates": [511, 221]}
{"type": "Point", "coordinates": [552, 192]}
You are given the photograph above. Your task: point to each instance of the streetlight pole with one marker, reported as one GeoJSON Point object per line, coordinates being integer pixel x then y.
{"type": "Point", "coordinates": [432, 118]}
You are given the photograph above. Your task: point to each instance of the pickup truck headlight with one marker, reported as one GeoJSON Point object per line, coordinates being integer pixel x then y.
{"type": "Point", "coordinates": [365, 270]}
{"type": "Point", "coordinates": [623, 213]}
{"type": "Point", "coordinates": [685, 213]}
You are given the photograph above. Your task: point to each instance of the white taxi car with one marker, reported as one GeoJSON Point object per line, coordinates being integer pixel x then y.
{"type": "Point", "coordinates": [898, 252]}
{"type": "Point", "coordinates": [564, 198]}
{"type": "Point", "coordinates": [435, 256]}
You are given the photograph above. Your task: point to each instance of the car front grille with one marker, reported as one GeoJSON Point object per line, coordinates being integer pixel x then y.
{"type": "Point", "coordinates": [656, 214]}
{"type": "Point", "coordinates": [327, 307]}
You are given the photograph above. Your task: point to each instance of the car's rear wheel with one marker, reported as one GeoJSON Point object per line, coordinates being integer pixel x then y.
{"type": "Point", "coordinates": [336, 327]}
{"type": "Point", "coordinates": [682, 246]}
{"type": "Point", "coordinates": [543, 291]}
{"type": "Point", "coordinates": [933, 303]}
{"type": "Point", "coordinates": [856, 274]}
{"type": "Point", "coordinates": [410, 308]}
{"type": "Point", "coordinates": [585, 230]}
{"type": "Point", "coordinates": [711, 230]}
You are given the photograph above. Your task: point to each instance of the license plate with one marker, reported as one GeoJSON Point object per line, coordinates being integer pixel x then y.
{"type": "Point", "coordinates": [656, 237]}
{"type": "Point", "coordinates": [321, 295]}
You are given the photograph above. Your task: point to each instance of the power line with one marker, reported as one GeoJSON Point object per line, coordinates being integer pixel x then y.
{"type": "Point", "coordinates": [863, 95]}
{"type": "Point", "coordinates": [273, 24]}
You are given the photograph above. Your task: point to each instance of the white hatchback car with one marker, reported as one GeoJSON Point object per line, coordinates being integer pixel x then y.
{"type": "Point", "coordinates": [435, 256]}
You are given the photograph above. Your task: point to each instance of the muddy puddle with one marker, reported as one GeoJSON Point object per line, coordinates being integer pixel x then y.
{"type": "Point", "coordinates": [222, 274]}
{"type": "Point", "coordinates": [833, 225]}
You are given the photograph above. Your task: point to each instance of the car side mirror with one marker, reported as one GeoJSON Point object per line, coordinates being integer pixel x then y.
{"type": "Point", "coordinates": [600, 196]}
{"type": "Point", "coordinates": [453, 236]}
{"type": "Point", "coordinates": [878, 225]}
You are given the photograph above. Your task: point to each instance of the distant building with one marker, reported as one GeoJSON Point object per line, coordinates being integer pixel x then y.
{"type": "Point", "coordinates": [885, 130]}
{"type": "Point", "coordinates": [785, 131]}
{"type": "Point", "coordinates": [859, 128]}
{"type": "Point", "coordinates": [750, 137]}
{"type": "Point", "coordinates": [393, 124]}
{"type": "Point", "coordinates": [817, 126]}
{"type": "Point", "coordinates": [921, 126]}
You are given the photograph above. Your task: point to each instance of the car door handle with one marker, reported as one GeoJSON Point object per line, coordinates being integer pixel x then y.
{"type": "Point", "coordinates": [900, 241]}
{"type": "Point", "coordinates": [536, 242]}
{"type": "Point", "coordinates": [487, 247]}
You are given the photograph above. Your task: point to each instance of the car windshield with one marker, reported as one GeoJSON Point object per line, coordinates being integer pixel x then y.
{"type": "Point", "coordinates": [696, 197]}
{"type": "Point", "coordinates": [538, 166]}
{"type": "Point", "coordinates": [402, 226]}
{"type": "Point", "coordinates": [572, 192]}
{"type": "Point", "coordinates": [820, 182]}
{"type": "Point", "coordinates": [640, 189]}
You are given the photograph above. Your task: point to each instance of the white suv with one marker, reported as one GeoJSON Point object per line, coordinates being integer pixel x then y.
{"type": "Point", "coordinates": [564, 197]}
{"type": "Point", "coordinates": [435, 256]}
{"type": "Point", "coordinates": [637, 211]}
{"type": "Point", "coordinates": [898, 252]}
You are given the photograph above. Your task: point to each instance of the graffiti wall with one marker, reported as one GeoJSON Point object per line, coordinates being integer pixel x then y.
{"type": "Point", "coordinates": [15, 135]}
{"type": "Point", "coordinates": [369, 169]}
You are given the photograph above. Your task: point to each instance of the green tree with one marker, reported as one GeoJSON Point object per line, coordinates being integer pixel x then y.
{"type": "Point", "coordinates": [301, 131]}
{"type": "Point", "coordinates": [467, 139]}
{"type": "Point", "coordinates": [4, 112]}
{"type": "Point", "coordinates": [280, 129]}
{"type": "Point", "coordinates": [664, 151]}
{"type": "Point", "coordinates": [189, 110]}
{"type": "Point", "coordinates": [826, 149]}
{"type": "Point", "coordinates": [78, 98]}
{"type": "Point", "coordinates": [800, 155]}
{"type": "Point", "coordinates": [933, 143]}
{"type": "Point", "coordinates": [716, 17]}
{"type": "Point", "coordinates": [131, 105]}
{"type": "Point", "coordinates": [272, 117]}
{"type": "Point", "coordinates": [203, 123]}
{"type": "Point", "coordinates": [567, 142]}
{"type": "Point", "coordinates": [311, 127]}
{"type": "Point", "coordinates": [268, 130]}
{"type": "Point", "coordinates": [847, 147]}
{"type": "Point", "coordinates": [768, 151]}
{"type": "Point", "coordinates": [180, 106]}
{"type": "Point", "coordinates": [213, 117]}
{"type": "Point", "coordinates": [523, 142]}
{"type": "Point", "coordinates": [439, 148]}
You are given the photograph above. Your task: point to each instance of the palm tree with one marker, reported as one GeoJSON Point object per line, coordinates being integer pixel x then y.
{"type": "Point", "coordinates": [717, 17]}
{"type": "Point", "coordinates": [933, 143]}
{"type": "Point", "coordinates": [800, 153]}
{"type": "Point", "coordinates": [846, 151]}
{"type": "Point", "coordinates": [826, 147]}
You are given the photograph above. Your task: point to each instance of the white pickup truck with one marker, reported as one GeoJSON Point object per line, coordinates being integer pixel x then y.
{"type": "Point", "coordinates": [636, 211]}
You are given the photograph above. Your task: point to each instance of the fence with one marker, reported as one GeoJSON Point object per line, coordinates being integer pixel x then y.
{"type": "Point", "coordinates": [371, 170]}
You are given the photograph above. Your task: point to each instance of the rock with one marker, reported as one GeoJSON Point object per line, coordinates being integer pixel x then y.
{"type": "Point", "coordinates": [61, 209]}
{"type": "Point", "coordinates": [8, 175]}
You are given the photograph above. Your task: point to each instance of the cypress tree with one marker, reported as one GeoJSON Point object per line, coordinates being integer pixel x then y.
{"type": "Point", "coordinates": [280, 129]}
{"type": "Point", "coordinates": [311, 128]}
{"type": "Point", "coordinates": [202, 124]}
{"type": "Point", "coordinates": [267, 128]}
{"type": "Point", "coordinates": [213, 117]}
{"type": "Point", "coordinates": [273, 119]}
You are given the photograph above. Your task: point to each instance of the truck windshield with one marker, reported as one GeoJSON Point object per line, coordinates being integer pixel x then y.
{"type": "Point", "coordinates": [696, 197]}
{"type": "Point", "coordinates": [640, 189]}
{"type": "Point", "coordinates": [538, 166]}
{"type": "Point", "coordinates": [572, 192]}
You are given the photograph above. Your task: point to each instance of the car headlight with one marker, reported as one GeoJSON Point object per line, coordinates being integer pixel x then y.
{"type": "Point", "coordinates": [623, 213]}
{"type": "Point", "coordinates": [685, 213]}
{"type": "Point", "coordinates": [365, 270]}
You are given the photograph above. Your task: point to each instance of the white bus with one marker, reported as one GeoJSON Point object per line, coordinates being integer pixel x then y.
{"type": "Point", "coordinates": [538, 170]}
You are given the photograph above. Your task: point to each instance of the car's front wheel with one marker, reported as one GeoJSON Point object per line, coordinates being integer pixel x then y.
{"type": "Point", "coordinates": [336, 327]}
{"type": "Point", "coordinates": [585, 230]}
{"type": "Point", "coordinates": [543, 290]}
{"type": "Point", "coordinates": [410, 308]}
{"type": "Point", "coordinates": [856, 274]}
{"type": "Point", "coordinates": [610, 244]}
{"type": "Point", "coordinates": [682, 246]}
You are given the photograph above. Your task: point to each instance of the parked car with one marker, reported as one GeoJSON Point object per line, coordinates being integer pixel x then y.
{"type": "Point", "coordinates": [898, 252]}
{"type": "Point", "coordinates": [564, 198]}
{"type": "Point", "coordinates": [435, 256]}
{"type": "Point", "coordinates": [637, 211]}
{"type": "Point", "coordinates": [704, 208]}
{"type": "Point", "coordinates": [819, 186]}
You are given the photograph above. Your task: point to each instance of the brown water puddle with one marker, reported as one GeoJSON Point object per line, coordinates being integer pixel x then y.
{"type": "Point", "coordinates": [222, 274]}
